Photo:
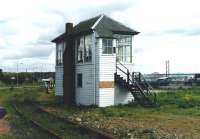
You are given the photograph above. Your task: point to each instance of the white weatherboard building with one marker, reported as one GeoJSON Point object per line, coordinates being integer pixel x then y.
{"type": "Point", "coordinates": [87, 57]}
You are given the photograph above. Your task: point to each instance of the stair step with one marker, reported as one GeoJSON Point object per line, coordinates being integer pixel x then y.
{"type": "Point", "coordinates": [139, 90]}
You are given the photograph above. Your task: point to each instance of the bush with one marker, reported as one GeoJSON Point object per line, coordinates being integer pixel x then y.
{"type": "Point", "coordinates": [181, 98]}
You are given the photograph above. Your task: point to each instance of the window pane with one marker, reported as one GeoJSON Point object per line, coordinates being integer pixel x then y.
{"type": "Point", "coordinates": [80, 49]}
{"type": "Point", "coordinates": [110, 43]}
{"type": "Point", "coordinates": [120, 51]}
{"type": "Point", "coordinates": [128, 53]}
{"type": "Point", "coordinates": [107, 46]}
{"type": "Point", "coordinates": [88, 48]}
{"type": "Point", "coordinates": [59, 53]}
{"type": "Point", "coordinates": [79, 80]}
{"type": "Point", "coordinates": [124, 53]}
{"type": "Point", "coordinates": [104, 42]}
{"type": "Point", "coordinates": [124, 45]}
{"type": "Point", "coordinates": [104, 46]}
{"type": "Point", "coordinates": [109, 50]}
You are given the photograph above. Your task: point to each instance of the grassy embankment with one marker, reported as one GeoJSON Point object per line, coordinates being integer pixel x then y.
{"type": "Point", "coordinates": [14, 126]}
{"type": "Point", "coordinates": [20, 128]}
{"type": "Point", "coordinates": [177, 116]}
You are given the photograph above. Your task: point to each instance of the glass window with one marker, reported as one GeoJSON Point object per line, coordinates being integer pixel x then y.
{"type": "Point", "coordinates": [84, 49]}
{"type": "Point", "coordinates": [88, 49]}
{"type": "Point", "coordinates": [59, 53]}
{"type": "Point", "coordinates": [124, 46]}
{"type": "Point", "coordinates": [79, 80]}
{"type": "Point", "coordinates": [107, 46]}
{"type": "Point", "coordinates": [80, 49]}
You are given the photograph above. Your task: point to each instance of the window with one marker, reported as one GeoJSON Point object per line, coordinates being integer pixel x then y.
{"type": "Point", "coordinates": [79, 80]}
{"type": "Point", "coordinates": [80, 48]}
{"type": "Point", "coordinates": [84, 49]}
{"type": "Point", "coordinates": [124, 47]}
{"type": "Point", "coordinates": [88, 49]}
{"type": "Point", "coordinates": [107, 46]}
{"type": "Point", "coordinates": [59, 53]}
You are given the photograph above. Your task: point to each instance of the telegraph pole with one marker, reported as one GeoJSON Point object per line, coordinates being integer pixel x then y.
{"type": "Point", "coordinates": [167, 68]}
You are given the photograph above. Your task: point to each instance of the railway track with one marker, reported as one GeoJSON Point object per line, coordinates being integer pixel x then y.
{"type": "Point", "coordinates": [50, 134]}
{"type": "Point", "coordinates": [65, 128]}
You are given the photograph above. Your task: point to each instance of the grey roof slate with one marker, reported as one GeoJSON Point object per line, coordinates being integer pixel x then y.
{"type": "Point", "coordinates": [106, 27]}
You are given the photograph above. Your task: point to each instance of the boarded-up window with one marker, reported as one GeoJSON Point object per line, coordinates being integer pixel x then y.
{"type": "Point", "coordinates": [79, 80]}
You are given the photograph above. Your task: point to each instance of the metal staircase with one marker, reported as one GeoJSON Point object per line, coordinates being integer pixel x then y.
{"type": "Point", "coordinates": [136, 84]}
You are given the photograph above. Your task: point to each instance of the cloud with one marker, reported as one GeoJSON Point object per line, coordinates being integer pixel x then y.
{"type": "Point", "coordinates": [27, 29]}
{"type": "Point", "coordinates": [3, 21]}
{"type": "Point", "coordinates": [29, 52]}
{"type": "Point", "coordinates": [138, 50]}
{"type": "Point", "coordinates": [194, 31]}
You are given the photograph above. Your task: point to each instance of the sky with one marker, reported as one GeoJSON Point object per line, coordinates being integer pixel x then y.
{"type": "Point", "coordinates": [170, 30]}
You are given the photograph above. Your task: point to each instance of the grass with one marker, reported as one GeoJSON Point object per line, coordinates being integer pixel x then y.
{"type": "Point", "coordinates": [177, 116]}
{"type": "Point", "coordinates": [67, 131]}
{"type": "Point", "coordinates": [19, 127]}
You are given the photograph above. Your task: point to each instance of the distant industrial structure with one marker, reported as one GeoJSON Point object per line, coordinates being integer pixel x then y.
{"type": "Point", "coordinates": [167, 68]}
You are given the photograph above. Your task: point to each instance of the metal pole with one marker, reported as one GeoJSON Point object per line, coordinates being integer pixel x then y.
{"type": "Point", "coordinates": [17, 74]}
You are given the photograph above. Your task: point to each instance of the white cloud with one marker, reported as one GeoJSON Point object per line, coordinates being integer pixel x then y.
{"type": "Point", "coordinates": [169, 29]}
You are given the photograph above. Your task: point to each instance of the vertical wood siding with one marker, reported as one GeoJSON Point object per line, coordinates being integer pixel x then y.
{"type": "Point", "coordinates": [85, 94]}
{"type": "Point", "coordinates": [122, 96]}
{"type": "Point", "coordinates": [106, 69]}
{"type": "Point", "coordinates": [59, 81]}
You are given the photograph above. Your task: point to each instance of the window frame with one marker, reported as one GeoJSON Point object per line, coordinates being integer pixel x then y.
{"type": "Point", "coordinates": [107, 46]}
{"type": "Point", "coordinates": [124, 43]}
{"type": "Point", "coordinates": [60, 48]}
{"type": "Point", "coordinates": [79, 80]}
{"type": "Point", "coordinates": [86, 49]}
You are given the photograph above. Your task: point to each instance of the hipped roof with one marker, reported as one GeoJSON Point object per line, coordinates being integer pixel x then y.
{"type": "Point", "coordinates": [102, 24]}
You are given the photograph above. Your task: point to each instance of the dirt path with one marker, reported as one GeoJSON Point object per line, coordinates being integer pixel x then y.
{"type": "Point", "coordinates": [4, 125]}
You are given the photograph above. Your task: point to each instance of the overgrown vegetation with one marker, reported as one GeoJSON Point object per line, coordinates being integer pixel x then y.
{"type": "Point", "coordinates": [19, 127]}
{"type": "Point", "coordinates": [183, 98]}
{"type": "Point", "coordinates": [178, 115]}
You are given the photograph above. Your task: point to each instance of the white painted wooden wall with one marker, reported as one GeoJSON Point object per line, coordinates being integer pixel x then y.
{"type": "Point", "coordinates": [106, 69]}
{"type": "Point", "coordinates": [85, 95]}
{"type": "Point", "coordinates": [59, 81]}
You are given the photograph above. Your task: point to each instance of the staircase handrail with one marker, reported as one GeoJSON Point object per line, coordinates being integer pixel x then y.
{"type": "Point", "coordinates": [148, 85]}
{"type": "Point", "coordinates": [131, 79]}
{"type": "Point", "coordinates": [121, 70]}
{"type": "Point", "coordinates": [127, 70]}
{"type": "Point", "coordinates": [144, 80]}
{"type": "Point", "coordinates": [122, 65]}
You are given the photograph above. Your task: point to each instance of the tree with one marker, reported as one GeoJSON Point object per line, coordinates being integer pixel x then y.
{"type": "Point", "coordinates": [1, 74]}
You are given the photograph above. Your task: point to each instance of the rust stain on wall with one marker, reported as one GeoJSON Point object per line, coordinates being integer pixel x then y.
{"type": "Point", "coordinates": [106, 84]}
